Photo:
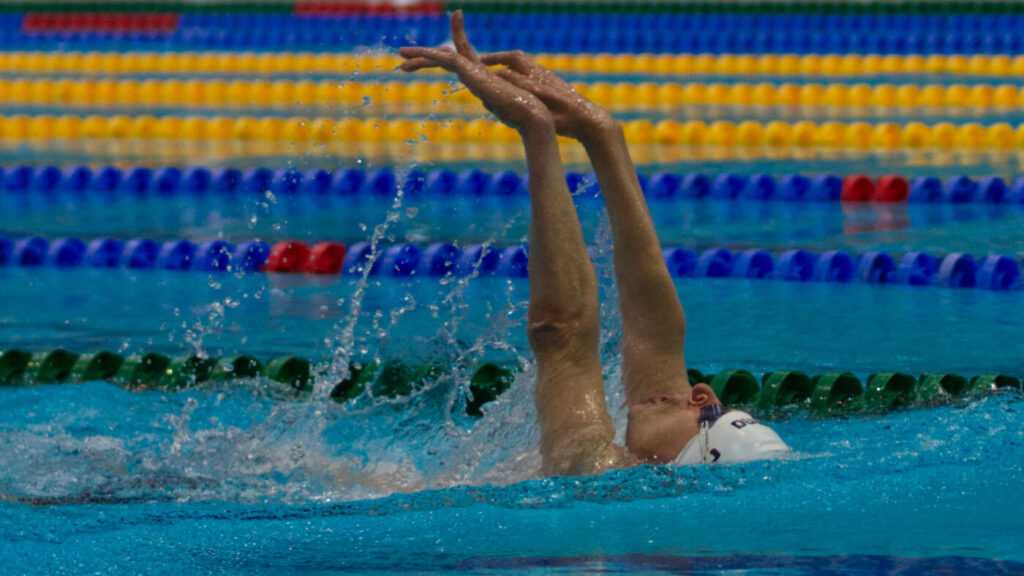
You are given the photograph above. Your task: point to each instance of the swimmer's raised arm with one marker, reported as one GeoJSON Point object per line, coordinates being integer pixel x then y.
{"type": "Point", "coordinates": [562, 285]}
{"type": "Point", "coordinates": [576, 430]}
{"type": "Point", "coordinates": [654, 326]}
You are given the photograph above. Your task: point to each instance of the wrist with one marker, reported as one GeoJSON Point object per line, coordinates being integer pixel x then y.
{"type": "Point", "coordinates": [538, 130]}
{"type": "Point", "coordinates": [601, 132]}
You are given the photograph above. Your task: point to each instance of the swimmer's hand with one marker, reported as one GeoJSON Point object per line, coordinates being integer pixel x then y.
{"type": "Point", "coordinates": [512, 105]}
{"type": "Point", "coordinates": [574, 115]}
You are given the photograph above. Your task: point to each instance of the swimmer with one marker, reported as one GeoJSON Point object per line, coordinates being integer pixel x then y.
{"type": "Point", "coordinates": [670, 420]}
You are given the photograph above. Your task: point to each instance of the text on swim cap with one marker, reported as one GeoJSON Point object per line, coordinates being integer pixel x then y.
{"type": "Point", "coordinates": [742, 423]}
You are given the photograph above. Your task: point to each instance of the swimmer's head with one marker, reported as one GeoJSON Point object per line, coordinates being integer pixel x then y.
{"type": "Point", "coordinates": [698, 429]}
{"type": "Point", "coordinates": [661, 427]}
{"type": "Point", "coordinates": [730, 436]}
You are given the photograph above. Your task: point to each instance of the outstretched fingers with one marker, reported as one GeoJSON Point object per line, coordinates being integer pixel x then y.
{"type": "Point", "coordinates": [417, 57]}
{"type": "Point", "coordinates": [414, 64]}
{"type": "Point", "coordinates": [510, 98]}
{"type": "Point", "coordinates": [476, 77]}
{"type": "Point", "coordinates": [460, 39]}
{"type": "Point", "coordinates": [515, 59]}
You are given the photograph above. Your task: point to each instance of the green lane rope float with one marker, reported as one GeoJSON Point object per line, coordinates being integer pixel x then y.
{"type": "Point", "coordinates": [151, 370]}
{"type": "Point", "coordinates": [774, 393]}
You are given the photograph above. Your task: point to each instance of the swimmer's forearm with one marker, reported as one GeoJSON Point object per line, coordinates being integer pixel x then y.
{"type": "Point", "coordinates": [652, 314]}
{"type": "Point", "coordinates": [562, 283]}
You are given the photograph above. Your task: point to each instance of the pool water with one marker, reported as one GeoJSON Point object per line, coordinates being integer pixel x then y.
{"type": "Point", "coordinates": [980, 228]}
{"type": "Point", "coordinates": [244, 478]}
{"type": "Point", "coordinates": [251, 477]}
{"type": "Point", "coordinates": [222, 482]}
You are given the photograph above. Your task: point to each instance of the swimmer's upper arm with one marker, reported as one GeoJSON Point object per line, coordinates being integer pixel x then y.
{"type": "Point", "coordinates": [563, 325]}
{"type": "Point", "coordinates": [653, 323]}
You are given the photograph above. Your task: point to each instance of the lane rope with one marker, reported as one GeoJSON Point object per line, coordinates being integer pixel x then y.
{"type": "Point", "coordinates": [435, 97]}
{"type": "Point", "coordinates": [109, 183]}
{"type": "Point", "coordinates": [442, 260]}
{"type": "Point", "coordinates": [773, 394]}
{"type": "Point", "coordinates": [213, 62]}
{"type": "Point", "coordinates": [722, 134]}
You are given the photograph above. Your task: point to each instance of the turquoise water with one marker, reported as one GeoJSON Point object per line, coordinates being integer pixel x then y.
{"type": "Point", "coordinates": [246, 479]}
{"type": "Point", "coordinates": [929, 497]}
{"type": "Point", "coordinates": [938, 228]}
{"type": "Point", "coordinates": [760, 325]}
{"type": "Point", "coordinates": [223, 482]}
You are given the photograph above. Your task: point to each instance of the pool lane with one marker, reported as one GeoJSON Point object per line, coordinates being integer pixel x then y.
{"type": "Point", "coordinates": [938, 228]}
{"type": "Point", "coordinates": [761, 326]}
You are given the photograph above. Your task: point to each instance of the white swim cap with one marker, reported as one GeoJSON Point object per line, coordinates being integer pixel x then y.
{"type": "Point", "coordinates": [731, 437]}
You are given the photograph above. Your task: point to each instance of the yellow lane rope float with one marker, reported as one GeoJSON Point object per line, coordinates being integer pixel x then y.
{"type": "Point", "coordinates": [253, 63]}
{"type": "Point", "coordinates": [968, 136]}
{"type": "Point", "coordinates": [418, 96]}
{"type": "Point", "coordinates": [184, 152]}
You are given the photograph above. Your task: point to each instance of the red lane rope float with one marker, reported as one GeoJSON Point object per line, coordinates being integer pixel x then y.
{"type": "Point", "coordinates": [296, 257]}
{"type": "Point", "coordinates": [891, 189]}
{"type": "Point", "coordinates": [857, 188]}
{"type": "Point", "coordinates": [288, 257]}
{"type": "Point", "coordinates": [326, 258]}
{"type": "Point", "coordinates": [888, 189]}
{"type": "Point", "coordinates": [106, 22]}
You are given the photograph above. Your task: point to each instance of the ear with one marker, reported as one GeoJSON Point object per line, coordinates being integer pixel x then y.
{"type": "Point", "coordinates": [702, 395]}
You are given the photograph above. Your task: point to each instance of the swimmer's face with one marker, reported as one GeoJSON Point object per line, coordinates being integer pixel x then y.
{"type": "Point", "coordinates": [659, 430]}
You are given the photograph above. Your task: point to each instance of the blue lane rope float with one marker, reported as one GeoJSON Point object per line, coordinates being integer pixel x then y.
{"type": "Point", "coordinates": [576, 33]}
{"type": "Point", "coordinates": [609, 22]}
{"type": "Point", "coordinates": [955, 270]}
{"type": "Point", "coordinates": [773, 393]}
{"type": "Point", "coordinates": [170, 181]}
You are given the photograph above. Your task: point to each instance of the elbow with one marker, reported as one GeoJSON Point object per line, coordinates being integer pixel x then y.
{"type": "Point", "coordinates": [551, 333]}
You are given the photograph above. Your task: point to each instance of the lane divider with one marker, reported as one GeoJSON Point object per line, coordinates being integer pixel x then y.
{"type": "Point", "coordinates": [212, 62]}
{"type": "Point", "coordinates": [692, 134]}
{"type": "Point", "coordinates": [654, 16]}
{"type": "Point", "coordinates": [955, 270]}
{"type": "Point", "coordinates": [418, 96]}
{"type": "Point", "coordinates": [146, 370]}
{"type": "Point", "coordinates": [692, 8]}
{"type": "Point", "coordinates": [172, 152]}
{"type": "Point", "coordinates": [742, 17]}
{"type": "Point", "coordinates": [156, 371]}
{"type": "Point", "coordinates": [753, 7]}
{"type": "Point", "coordinates": [109, 182]}
{"type": "Point", "coordinates": [349, 33]}
{"type": "Point", "coordinates": [774, 393]}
